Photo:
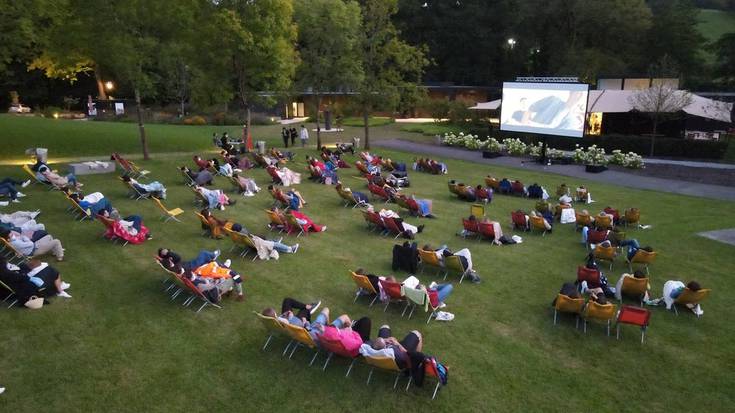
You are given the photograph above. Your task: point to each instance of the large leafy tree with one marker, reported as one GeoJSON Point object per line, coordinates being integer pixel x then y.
{"type": "Point", "coordinates": [329, 47]}
{"type": "Point", "coordinates": [724, 69]}
{"type": "Point", "coordinates": [122, 39]}
{"type": "Point", "coordinates": [674, 34]}
{"type": "Point", "coordinates": [389, 65]}
{"type": "Point", "coordinates": [257, 44]}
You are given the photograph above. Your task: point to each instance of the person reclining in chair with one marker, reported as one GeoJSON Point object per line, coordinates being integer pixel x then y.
{"type": "Point", "coordinates": [95, 202]}
{"type": "Point", "coordinates": [21, 284]}
{"type": "Point", "coordinates": [68, 181]}
{"type": "Point", "coordinates": [464, 255]}
{"type": "Point", "coordinates": [215, 198]}
{"type": "Point", "coordinates": [200, 178]}
{"type": "Point", "coordinates": [154, 188]}
{"type": "Point", "coordinates": [407, 230]}
{"type": "Point", "coordinates": [672, 290]}
{"type": "Point", "coordinates": [214, 271]}
{"type": "Point", "coordinates": [39, 243]}
{"type": "Point", "coordinates": [638, 274]}
{"type": "Point", "coordinates": [385, 345]}
{"type": "Point", "coordinates": [216, 225]}
{"type": "Point", "coordinates": [633, 247]}
{"type": "Point", "coordinates": [266, 246]}
{"type": "Point", "coordinates": [294, 198]}
{"type": "Point", "coordinates": [21, 221]}
{"type": "Point", "coordinates": [45, 276]}
{"type": "Point", "coordinates": [246, 186]}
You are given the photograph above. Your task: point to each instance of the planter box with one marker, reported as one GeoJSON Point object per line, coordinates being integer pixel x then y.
{"type": "Point", "coordinates": [488, 154]}
{"type": "Point", "coordinates": [595, 169]}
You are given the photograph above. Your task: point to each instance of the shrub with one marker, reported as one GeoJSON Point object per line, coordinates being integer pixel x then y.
{"type": "Point", "coordinates": [514, 146]}
{"type": "Point", "coordinates": [195, 120]}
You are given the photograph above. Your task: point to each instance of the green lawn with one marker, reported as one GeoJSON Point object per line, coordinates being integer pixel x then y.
{"type": "Point", "coordinates": [429, 128]}
{"type": "Point", "coordinates": [121, 345]}
{"type": "Point", "coordinates": [372, 121]}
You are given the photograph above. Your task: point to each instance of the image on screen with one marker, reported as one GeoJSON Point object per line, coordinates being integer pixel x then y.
{"type": "Point", "coordinates": [544, 108]}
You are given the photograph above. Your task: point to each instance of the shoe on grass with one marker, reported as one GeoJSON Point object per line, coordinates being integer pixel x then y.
{"type": "Point", "coordinates": [227, 263]}
{"type": "Point", "coordinates": [20, 194]}
{"type": "Point", "coordinates": [65, 285]}
{"type": "Point", "coordinates": [216, 253]}
{"type": "Point", "coordinates": [25, 184]}
{"type": "Point", "coordinates": [63, 294]}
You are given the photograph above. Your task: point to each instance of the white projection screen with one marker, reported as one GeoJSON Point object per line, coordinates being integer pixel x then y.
{"type": "Point", "coordinates": [544, 108]}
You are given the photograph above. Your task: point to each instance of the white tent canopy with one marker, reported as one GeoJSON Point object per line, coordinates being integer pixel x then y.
{"type": "Point", "coordinates": [621, 101]}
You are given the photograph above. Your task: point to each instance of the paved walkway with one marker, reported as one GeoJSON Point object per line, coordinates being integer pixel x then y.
{"type": "Point", "coordinates": [724, 235]}
{"type": "Point", "coordinates": [610, 176]}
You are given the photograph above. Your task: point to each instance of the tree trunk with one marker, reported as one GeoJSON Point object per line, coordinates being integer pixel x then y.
{"type": "Point", "coordinates": [653, 137]}
{"type": "Point", "coordinates": [318, 130]}
{"type": "Point", "coordinates": [101, 94]}
{"type": "Point", "coordinates": [183, 113]}
{"type": "Point", "coordinates": [246, 126]}
{"type": "Point", "coordinates": [366, 120]}
{"type": "Point", "coordinates": [141, 128]}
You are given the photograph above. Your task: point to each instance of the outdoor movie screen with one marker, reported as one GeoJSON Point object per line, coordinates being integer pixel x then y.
{"type": "Point", "coordinates": [544, 108]}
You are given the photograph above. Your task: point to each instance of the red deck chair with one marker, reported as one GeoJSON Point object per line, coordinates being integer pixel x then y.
{"type": "Point", "coordinates": [376, 220]}
{"type": "Point", "coordinates": [516, 188]}
{"type": "Point", "coordinates": [470, 226]}
{"type": "Point", "coordinates": [633, 315]}
{"type": "Point", "coordinates": [335, 347]}
{"type": "Point", "coordinates": [614, 212]}
{"type": "Point", "coordinates": [518, 219]}
{"type": "Point", "coordinates": [413, 206]}
{"type": "Point", "coordinates": [198, 294]}
{"type": "Point", "coordinates": [394, 293]}
{"type": "Point", "coordinates": [595, 237]}
{"type": "Point", "coordinates": [588, 274]}
{"type": "Point", "coordinates": [378, 192]}
{"type": "Point", "coordinates": [486, 230]}
{"type": "Point", "coordinates": [392, 227]}
{"type": "Point", "coordinates": [272, 172]}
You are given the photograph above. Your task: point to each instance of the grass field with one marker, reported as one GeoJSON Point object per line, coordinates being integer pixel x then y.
{"type": "Point", "coordinates": [120, 345]}
{"type": "Point", "coordinates": [372, 121]}
{"type": "Point", "coordinates": [714, 23]}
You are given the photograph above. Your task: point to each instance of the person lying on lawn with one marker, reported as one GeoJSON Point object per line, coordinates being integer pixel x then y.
{"type": "Point", "coordinates": [215, 198]}
{"type": "Point", "coordinates": [95, 202]}
{"type": "Point", "coordinates": [216, 226]}
{"type": "Point", "coordinates": [154, 188]}
{"type": "Point", "coordinates": [21, 221]}
{"type": "Point", "coordinates": [465, 256]}
{"type": "Point", "coordinates": [265, 246]}
{"type": "Point", "coordinates": [200, 178]}
{"type": "Point", "coordinates": [39, 243]}
{"type": "Point", "coordinates": [294, 198]}
{"type": "Point", "coordinates": [45, 276]}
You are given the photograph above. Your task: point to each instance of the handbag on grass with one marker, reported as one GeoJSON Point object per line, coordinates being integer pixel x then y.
{"type": "Point", "coordinates": [34, 303]}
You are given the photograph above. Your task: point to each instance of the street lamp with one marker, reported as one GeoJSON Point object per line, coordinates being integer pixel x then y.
{"type": "Point", "coordinates": [109, 85]}
{"type": "Point", "coordinates": [511, 42]}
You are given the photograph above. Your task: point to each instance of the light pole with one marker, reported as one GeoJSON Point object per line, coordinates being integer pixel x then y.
{"type": "Point", "coordinates": [511, 42]}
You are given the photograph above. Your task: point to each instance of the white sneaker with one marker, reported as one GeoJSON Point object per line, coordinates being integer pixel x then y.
{"type": "Point", "coordinates": [63, 294]}
{"type": "Point", "coordinates": [25, 184]}
{"type": "Point", "coordinates": [2, 390]}
{"type": "Point", "coordinates": [20, 194]}
{"type": "Point", "coordinates": [15, 201]}
{"type": "Point", "coordinates": [433, 284]}
{"type": "Point", "coordinates": [216, 253]}
{"type": "Point", "coordinates": [442, 305]}
{"type": "Point", "coordinates": [227, 263]}
{"type": "Point", "coordinates": [65, 285]}
{"type": "Point", "coordinates": [324, 228]}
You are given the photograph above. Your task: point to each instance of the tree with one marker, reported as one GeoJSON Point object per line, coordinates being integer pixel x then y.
{"type": "Point", "coordinates": [662, 99]}
{"type": "Point", "coordinates": [724, 69]}
{"type": "Point", "coordinates": [388, 64]}
{"type": "Point", "coordinates": [123, 39]}
{"type": "Point", "coordinates": [674, 34]}
{"type": "Point", "coordinates": [328, 43]}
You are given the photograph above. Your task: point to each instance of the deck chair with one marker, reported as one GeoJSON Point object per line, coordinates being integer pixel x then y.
{"type": "Point", "coordinates": [273, 327]}
{"type": "Point", "coordinates": [205, 224]}
{"type": "Point", "coordinates": [402, 201]}
{"type": "Point", "coordinates": [394, 291]}
{"type": "Point", "coordinates": [198, 294]}
{"type": "Point", "coordinates": [301, 338]}
{"type": "Point", "coordinates": [582, 220]}
{"type": "Point", "coordinates": [477, 210]}
{"type": "Point", "coordinates": [690, 297]}
{"type": "Point", "coordinates": [109, 223]}
{"type": "Point", "coordinates": [419, 298]}
{"type": "Point", "coordinates": [429, 371]}
{"type": "Point", "coordinates": [377, 221]}
{"type": "Point", "coordinates": [635, 316]}
{"type": "Point", "coordinates": [601, 313]}
{"type": "Point", "coordinates": [133, 192]}
{"type": "Point", "coordinates": [364, 287]}
{"type": "Point", "coordinates": [188, 181]}
{"type": "Point", "coordinates": [580, 195]}
{"type": "Point", "coordinates": [11, 254]}
{"type": "Point", "coordinates": [12, 297]}
{"type": "Point", "coordinates": [518, 220]}
{"type": "Point", "coordinates": [273, 172]}
{"type": "Point", "coordinates": [34, 178]}
{"type": "Point", "coordinates": [378, 192]}
{"type": "Point", "coordinates": [642, 257]}
{"type": "Point", "coordinates": [453, 188]}
{"type": "Point", "coordinates": [429, 259]}
{"type": "Point", "coordinates": [632, 216]}
{"type": "Point", "coordinates": [293, 225]}
{"type": "Point", "coordinates": [453, 264]}
{"type": "Point", "coordinates": [472, 227]}
{"type": "Point", "coordinates": [604, 222]}
{"type": "Point", "coordinates": [79, 213]}
{"type": "Point", "coordinates": [392, 227]}
{"type": "Point", "coordinates": [590, 275]}
{"type": "Point", "coordinates": [562, 190]}
{"type": "Point", "coordinates": [277, 221]}
{"type": "Point", "coordinates": [492, 183]}
{"type": "Point", "coordinates": [538, 223]}
{"type": "Point", "coordinates": [128, 166]}
{"type": "Point", "coordinates": [349, 198]}
{"type": "Point", "coordinates": [486, 230]}
{"type": "Point", "coordinates": [167, 214]}
{"type": "Point", "coordinates": [566, 304]}
{"type": "Point", "coordinates": [387, 364]}
{"type": "Point", "coordinates": [362, 168]}
{"type": "Point", "coordinates": [605, 254]}
{"type": "Point", "coordinates": [199, 199]}
{"type": "Point", "coordinates": [634, 287]}
{"type": "Point", "coordinates": [333, 347]}
{"type": "Point", "coordinates": [241, 241]}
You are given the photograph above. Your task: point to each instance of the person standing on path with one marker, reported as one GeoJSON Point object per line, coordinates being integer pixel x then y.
{"type": "Point", "coordinates": [285, 135]}
{"type": "Point", "coordinates": [292, 132]}
{"type": "Point", "coordinates": [304, 135]}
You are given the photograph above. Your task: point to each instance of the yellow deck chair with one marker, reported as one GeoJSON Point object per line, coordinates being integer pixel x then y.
{"type": "Point", "coordinates": [632, 216]}
{"type": "Point", "coordinates": [601, 313]}
{"type": "Point", "coordinates": [79, 213]}
{"type": "Point", "coordinates": [635, 287]}
{"type": "Point", "coordinates": [293, 223]}
{"type": "Point", "coordinates": [35, 180]}
{"type": "Point", "coordinates": [387, 364]}
{"type": "Point", "coordinates": [274, 328]}
{"type": "Point", "coordinates": [537, 223]}
{"type": "Point", "coordinates": [582, 220]}
{"type": "Point", "coordinates": [238, 240]}
{"type": "Point", "coordinates": [277, 221]}
{"type": "Point", "coordinates": [301, 338]}
{"type": "Point", "coordinates": [429, 258]}
{"type": "Point", "coordinates": [566, 304]}
{"type": "Point", "coordinates": [11, 297]}
{"type": "Point", "coordinates": [453, 264]}
{"type": "Point", "coordinates": [211, 230]}
{"type": "Point", "coordinates": [11, 254]}
{"type": "Point", "coordinates": [477, 210]}
{"type": "Point", "coordinates": [604, 222]}
{"type": "Point", "coordinates": [364, 286]}
{"type": "Point", "coordinates": [690, 297]}
{"type": "Point", "coordinates": [605, 254]}
{"type": "Point", "coordinates": [492, 183]}
{"type": "Point", "coordinates": [642, 257]}
{"type": "Point", "coordinates": [167, 214]}
{"type": "Point", "coordinates": [453, 188]}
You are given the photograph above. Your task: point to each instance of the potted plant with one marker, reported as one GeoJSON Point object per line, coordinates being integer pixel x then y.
{"type": "Point", "coordinates": [491, 148]}
{"type": "Point", "coordinates": [595, 160]}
